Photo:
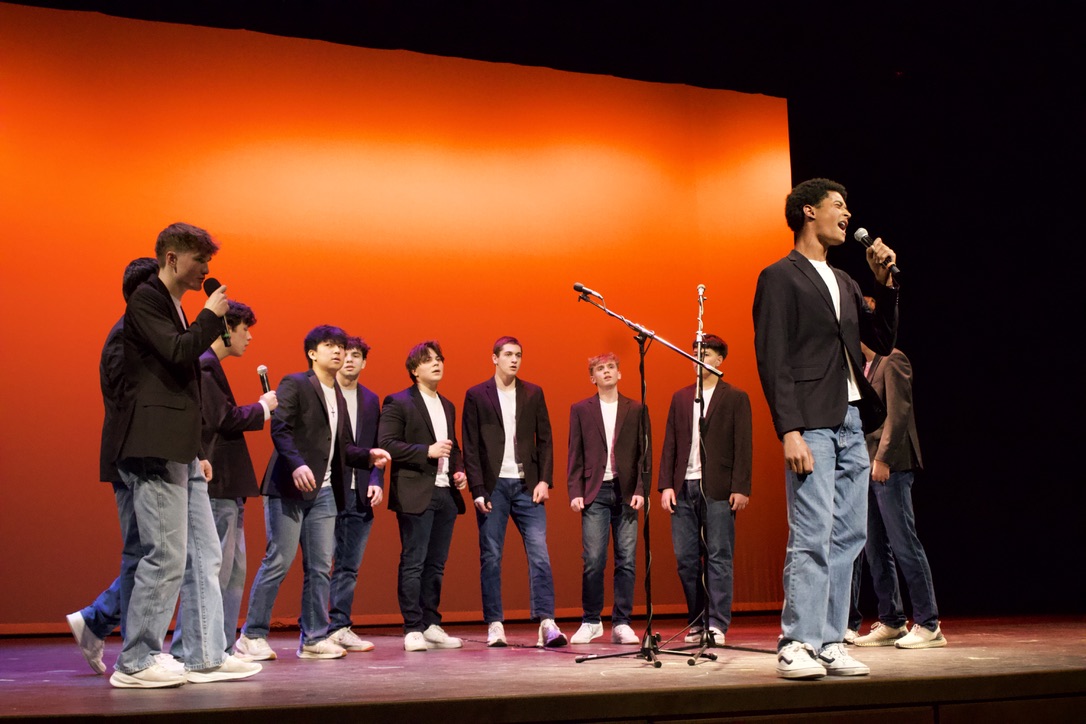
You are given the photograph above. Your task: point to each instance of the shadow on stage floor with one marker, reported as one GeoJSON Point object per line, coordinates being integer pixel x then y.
{"type": "Point", "coordinates": [993, 670]}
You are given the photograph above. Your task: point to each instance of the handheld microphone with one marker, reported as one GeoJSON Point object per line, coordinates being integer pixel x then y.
{"type": "Point", "coordinates": [864, 238]}
{"type": "Point", "coordinates": [582, 289]}
{"type": "Point", "coordinates": [262, 370]}
{"type": "Point", "coordinates": [210, 285]}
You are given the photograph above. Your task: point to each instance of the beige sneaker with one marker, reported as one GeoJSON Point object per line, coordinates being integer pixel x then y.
{"type": "Point", "coordinates": [624, 634]}
{"type": "Point", "coordinates": [495, 635]}
{"type": "Point", "coordinates": [230, 669]}
{"type": "Point", "coordinates": [347, 638]}
{"type": "Point", "coordinates": [587, 632]}
{"type": "Point", "coordinates": [323, 649]}
{"type": "Point", "coordinates": [921, 638]}
{"type": "Point", "coordinates": [256, 649]}
{"type": "Point", "coordinates": [436, 638]}
{"type": "Point", "coordinates": [881, 635]}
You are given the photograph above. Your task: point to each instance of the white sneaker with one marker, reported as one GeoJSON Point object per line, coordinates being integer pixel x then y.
{"type": "Point", "coordinates": [921, 638]}
{"type": "Point", "coordinates": [693, 636]}
{"type": "Point", "coordinates": [347, 638]}
{"type": "Point", "coordinates": [230, 669]}
{"type": "Point", "coordinates": [436, 638]}
{"type": "Point", "coordinates": [256, 649]}
{"type": "Point", "coordinates": [154, 676]}
{"type": "Point", "coordinates": [169, 663]}
{"type": "Point", "coordinates": [797, 661]}
{"type": "Point", "coordinates": [587, 632]}
{"type": "Point", "coordinates": [881, 635]}
{"type": "Point", "coordinates": [414, 641]}
{"type": "Point", "coordinates": [323, 649]}
{"type": "Point", "coordinates": [836, 660]}
{"type": "Point", "coordinates": [495, 635]}
{"type": "Point", "coordinates": [90, 645]}
{"type": "Point", "coordinates": [624, 634]}
{"type": "Point", "coordinates": [851, 636]}
{"type": "Point", "coordinates": [550, 635]}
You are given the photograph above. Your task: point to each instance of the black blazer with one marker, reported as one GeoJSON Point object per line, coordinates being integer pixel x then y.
{"type": "Point", "coordinates": [803, 351]}
{"type": "Point", "coordinates": [302, 436]}
{"type": "Point", "coordinates": [224, 426]}
{"type": "Point", "coordinates": [162, 375]}
{"type": "Point", "coordinates": [588, 450]}
{"type": "Point", "coordinates": [369, 413]}
{"type": "Point", "coordinates": [896, 442]}
{"type": "Point", "coordinates": [729, 451]}
{"type": "Point", "coordinates": [406, 432]}
{"type": "Point", "coordinates": [111, 380]}
{"type": "Point", "coordinates": [484, 437]}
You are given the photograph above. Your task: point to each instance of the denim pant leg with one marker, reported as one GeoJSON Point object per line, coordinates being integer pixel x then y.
{"type": "Point", "coordinates": [110, 608]}
{"type": "Point", "coordinates": [895, 503]}
{"type": "Point", "coordinates": [827, 509]}
{"type": "Point", "coordinates": [160, 501]}
{"type": "Point", "coordinates": [720, 541]}
{"type": "Point", "coordinates": [201, 599]}
{"type": "Point", "coordinates": [352, 532]}
{"type": "Point", "coordinates": [531, 520]}
{"type": "Point", "coordinates": [283, 529]}
{"type": "Point", "coordinates": [230, 523]}
{"type": "Point", "coordinates": [437, 552]}
{"type": "Point", "coordinates": [882, 564]}
{"type": "Point", "coordinates": [414, 544]}
{"type": "Point", "coordinates": [624, 532]}
{"type": "Point", "coordinates": [595, 532]}
{"type": "Point", "coordinates": [686, 540]}
{"type": "Point", "coordinates": [318, 541]}
{"type": "Point", "coordinates": [492, 527]}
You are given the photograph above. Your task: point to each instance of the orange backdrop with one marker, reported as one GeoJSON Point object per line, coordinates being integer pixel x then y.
{"type": "Point", "coordinates": [399, 195]}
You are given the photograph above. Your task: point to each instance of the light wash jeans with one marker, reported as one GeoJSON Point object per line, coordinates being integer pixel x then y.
{"type": "Point", "coordinates": [111, 607]}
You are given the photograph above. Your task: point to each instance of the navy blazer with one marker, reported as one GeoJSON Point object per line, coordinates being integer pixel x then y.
{"type": "Point", "coordinates": [224, 426]}
{"type": "Point", "coordinates": [484, 437]}
{"type": "Point", "coordinates": [729, 450]}
{"type": "Point", "coordinates": [111, 380]}
{"type": "Point", "coordinates": [588, 446]}
{"type": "Point", "coordinates": [162, 375]}
{"type": "Point", "coordinates": [896, 442]}
{"type": "Point", "coordinates": [406, 432]}
{"type": "Point", "coordinates": [803, 351]}
{"type": "Point", "coordinates": [365, 436]}
{"type": "Point", "coordinates": [303, 436]}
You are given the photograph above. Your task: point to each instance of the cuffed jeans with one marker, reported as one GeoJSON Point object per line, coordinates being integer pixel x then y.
{"type": "Point", "coordinates": [827, 522]}
{"type": "Point", "coordinates": [229, 514]}
{"type": "Point", "coordinates": [424, 547]}
{"type": "Point", "coordinates": [606, 516]}
{"type": "Point", "coordinates": [180, 553]}
{"type": "Point", "coordinates": [892, 543]}
{"type": "Point", "coordinates": [510, 499]}
{"type": "Point", "coordinates": [290, 522]}
{"type": "Point", "coordinates": [110, 609]}
{"type": "Point", "coordinates": [710, 566]}
{"type": "Point", "coordinates": [352, 532]}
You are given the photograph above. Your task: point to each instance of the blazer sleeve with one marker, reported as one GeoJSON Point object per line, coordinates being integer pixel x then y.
{"type": "Point", "coordinates": [392, 434]}
{"type": "Point", "coordinates": [544, 441]}
{"type": "Point", "coordinates": [575, 457]}
{"type": "Point", "coordinates": [469, 434]}
{"type": "Point", "coordinates": [456, 457]}
{"type": "Point", "coordinates": [897, 375]}
{"type": "Point", "coordinates": [743, 460]}
{"type": "Point", "coordinates": [878, 327]}
{"type": "Point", "coordinates": [772, 320]}
{"type": "Point", "coordinates": [150, 318]}
{"type": "Point", "coordinates": [667, 455]}
{"type": "Point", "coordinates": [283, 420]}
{"type": "Point", "coordinates": [220, 412]}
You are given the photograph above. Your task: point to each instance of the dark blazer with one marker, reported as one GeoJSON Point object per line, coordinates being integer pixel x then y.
{"type": "Point", "coordinates": [369, 412]}
{"type": "Point", "coordinates": [111, 380]}
{"type": "Point", "coordinates": [302, 436]}
{"type": "Point", "coordinates": [406, 432]}
{"type": "Point", "coordinates": [588, 450]}
{"type": "Point", "coordinates": [224, 426]}
{"type": "Point", "coordinates": [896, 442]}
{"type": "Point", "coordinates": [162, 375]}
{"type": "Point", "coordinates": [484, 437]}
{"type": "Point", "coordinates": [803, 350]}
{"type": "Point", "coordinates": [729, 451]}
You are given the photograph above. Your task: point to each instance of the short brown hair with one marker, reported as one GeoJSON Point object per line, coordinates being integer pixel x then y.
{"type": "Point", "coordinates": [181, 238]}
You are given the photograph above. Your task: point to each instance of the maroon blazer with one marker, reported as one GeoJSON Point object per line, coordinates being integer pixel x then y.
{"type": "Point", "coordinates": [729, 451]}
{"type": "Point", "coordinates": [896, 442]}
{"type": "Point", "coordinates": [588, 449]}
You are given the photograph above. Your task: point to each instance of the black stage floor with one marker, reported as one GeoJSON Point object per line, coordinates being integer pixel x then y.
{"type": "Point", "coordinates": [994, 670]}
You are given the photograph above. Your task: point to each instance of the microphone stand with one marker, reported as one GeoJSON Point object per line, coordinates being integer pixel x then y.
{"type": "Point", "coordinates": [650, 642]}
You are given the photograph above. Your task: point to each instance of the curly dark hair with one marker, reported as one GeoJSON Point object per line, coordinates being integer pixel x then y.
{"type": "Point", "coordinates": [809, 192]}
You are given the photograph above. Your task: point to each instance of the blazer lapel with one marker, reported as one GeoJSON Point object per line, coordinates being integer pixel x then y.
{"type": "Point", "coordinates": [807, 269]}
{"type": "Point", "coordinates": [424, 411]}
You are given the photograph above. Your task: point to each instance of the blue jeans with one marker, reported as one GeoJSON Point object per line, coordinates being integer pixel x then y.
{"type": "Point", "coordinates": [691, 509]}
{"type": "Point", "coordinates": [424, 548]}
{"type": "Point", "coordinates": [352, 531]}
{"type": "Point", "coordinates": [229, 514]}
{"type": "Point", "coordinates": [111, 607]}
{"type": "Point", "coordinates": [827, 525]}
{"type": "Point", "coordinates": [290, 522]}
{"type": "Point", "coordinates": [180, 553]}
{"type": "Point", "coordinates": [892, 543]}
{"type": "Point", "coordinates": [608, 516]}
{"type": "Point", "coordinates": [509, 499]}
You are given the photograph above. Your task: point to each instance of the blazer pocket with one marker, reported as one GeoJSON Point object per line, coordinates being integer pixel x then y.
{"type": "Point", "coordinates": [174, 402]}
{"type": "Point", "coordinates": [803, 374]}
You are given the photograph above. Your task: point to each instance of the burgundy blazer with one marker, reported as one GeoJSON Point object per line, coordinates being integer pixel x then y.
{"type": "Point", "coordinates": [588, 449]}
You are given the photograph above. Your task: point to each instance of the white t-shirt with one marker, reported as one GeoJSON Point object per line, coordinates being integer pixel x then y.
{"type": "Point", "coordinates": [508, 400]}
{"type": "Point", "coordinates": [333, 412]}
{"type": "Point", "coordinates": [352, 413]}
{"type": "Point", "coordinates": [826, 273]}
{"type": "Point", "coordinates": [441, 432]}
{"type": "Point", "coordinates": [693, 463]}
{"type": "Point", "coordinates": [610, 418]}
